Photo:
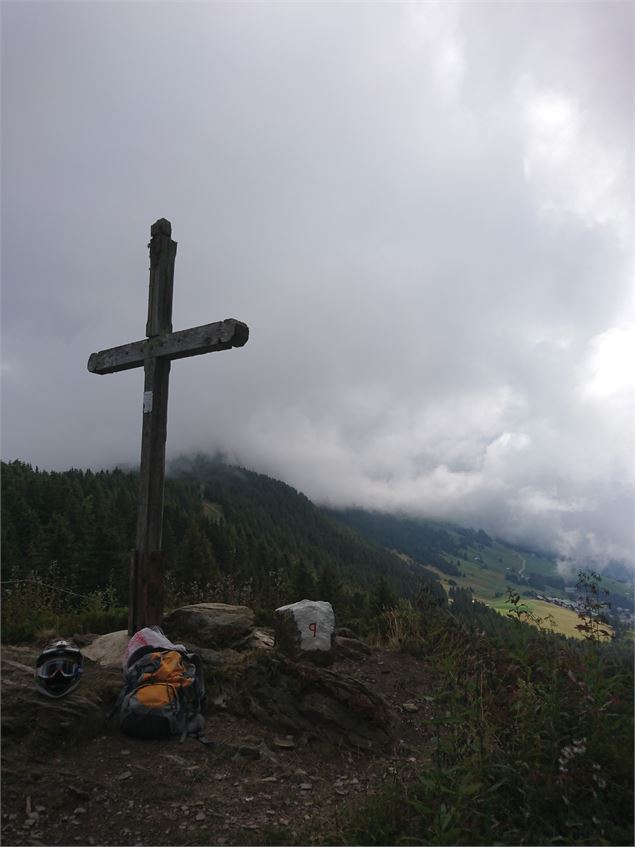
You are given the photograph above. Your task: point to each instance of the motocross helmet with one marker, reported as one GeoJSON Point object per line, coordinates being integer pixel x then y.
{"type": "Point", "coordinates": [58, 669]}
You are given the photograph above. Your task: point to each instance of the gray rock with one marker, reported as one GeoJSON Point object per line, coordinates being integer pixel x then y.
{"type": "Point", "coordinates": [210, 625]}
{"type": "Point", "coordinates": [263, 639]}
{"type": "Point", "coordinates": [351, 647]}
{"type": "Point", "coordinates": [108, 650]}
{"type": "Point", "coordinates": [210, 658]}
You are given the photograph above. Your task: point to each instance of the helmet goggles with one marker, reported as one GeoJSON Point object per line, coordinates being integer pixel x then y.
{"type": "Point", "coordinates": [65, 667]}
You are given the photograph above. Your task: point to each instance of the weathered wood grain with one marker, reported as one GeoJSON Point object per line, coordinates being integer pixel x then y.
{"type": "Point", "coordinates": [161, 286]}
{"type": "Point", "coordinates": [221, 335]}
{"type": "Point", "coordinates": [147, 607]}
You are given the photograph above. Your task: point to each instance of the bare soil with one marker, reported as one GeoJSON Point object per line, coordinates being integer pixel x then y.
{"type": "Point", "coordinates": [70, 777]}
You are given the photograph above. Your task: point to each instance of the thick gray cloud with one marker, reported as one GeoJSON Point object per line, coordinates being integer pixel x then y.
{"type": "Point", "coordinates": [423, 211]}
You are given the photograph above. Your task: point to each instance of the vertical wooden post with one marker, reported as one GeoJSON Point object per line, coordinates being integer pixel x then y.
{"type": "Point", "coordinates": [146, 575]}
{"type": "Point", "coordinates": [155, 353]}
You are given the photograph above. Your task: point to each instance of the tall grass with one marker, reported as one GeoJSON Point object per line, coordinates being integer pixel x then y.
{"type": "Point", "coordinates": [531, 738]}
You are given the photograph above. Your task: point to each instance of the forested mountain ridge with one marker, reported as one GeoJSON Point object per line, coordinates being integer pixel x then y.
{"type": "Point", "coordinates": [234, 535]}
{"type": "Point", "coordinates": [423, 541]}
{"type": "Point", "coordinates": [229, 534]}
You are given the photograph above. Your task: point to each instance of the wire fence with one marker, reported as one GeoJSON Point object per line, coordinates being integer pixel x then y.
{"type": "Point", "coordinates": [44, 585]}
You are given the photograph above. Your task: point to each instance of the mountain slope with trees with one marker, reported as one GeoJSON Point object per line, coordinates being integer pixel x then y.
{"type": "Point", "coordinates": [230, 535]}
{"type": "Point", "coordinates": [233, 535]}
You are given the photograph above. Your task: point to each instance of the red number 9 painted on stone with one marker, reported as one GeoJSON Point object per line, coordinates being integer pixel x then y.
{"type": "Point", "coordinates": [313, 629]}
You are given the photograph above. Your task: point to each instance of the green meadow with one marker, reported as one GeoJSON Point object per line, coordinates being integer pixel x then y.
{"type": "Point", "coordinates": [486, 579]}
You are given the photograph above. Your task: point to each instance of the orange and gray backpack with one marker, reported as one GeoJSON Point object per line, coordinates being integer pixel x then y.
{"type": "Point", "coordinates": [163, 694]}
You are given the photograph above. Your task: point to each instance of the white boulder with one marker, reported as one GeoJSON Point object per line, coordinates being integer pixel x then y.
{"type": "Point", "coordinates": [306, 630]}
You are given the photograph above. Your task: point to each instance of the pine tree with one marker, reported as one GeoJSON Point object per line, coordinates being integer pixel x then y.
{"type": "Point", "coordinates": [195, 557]}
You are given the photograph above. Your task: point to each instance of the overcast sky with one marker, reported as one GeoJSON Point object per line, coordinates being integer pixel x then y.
{"type": "Point", "coordinates": [423, 211]}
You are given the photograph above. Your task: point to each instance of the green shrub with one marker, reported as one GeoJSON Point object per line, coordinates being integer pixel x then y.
{"type": "Point", "coordinates": [35, 604]}
{"type": "Point", "coordinates": [532, 736]}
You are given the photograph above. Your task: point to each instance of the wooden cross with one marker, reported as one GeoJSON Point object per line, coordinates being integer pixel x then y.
{"type": "Point", "coordinates": [155, 354]}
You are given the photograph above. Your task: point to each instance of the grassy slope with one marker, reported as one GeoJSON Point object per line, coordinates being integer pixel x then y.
{"type": "Point", "coordinates": [488, 582]}
{"type": "Point", "coordinates": [424, 541]}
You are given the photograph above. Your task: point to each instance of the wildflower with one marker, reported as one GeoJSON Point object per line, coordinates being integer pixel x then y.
{"type": "Point", "coordinates": [569, 752]}
{"type": "Point", "coordinates": [579, 746]}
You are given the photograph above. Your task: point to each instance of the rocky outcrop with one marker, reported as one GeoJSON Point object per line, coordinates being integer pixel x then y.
{"type": "Point", "coordinates": [302, 699]}
{"type": "Point", "coordinates": [210, 625]}
{"type": "Point", "coordinates": [30, 719]}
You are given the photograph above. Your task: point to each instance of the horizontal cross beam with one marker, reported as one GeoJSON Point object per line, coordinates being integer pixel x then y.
{"type": "Point", "coordinates": [221, 335]}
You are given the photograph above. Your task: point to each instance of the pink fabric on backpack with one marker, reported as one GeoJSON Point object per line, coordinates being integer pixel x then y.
{"type": "Point", "coordinates": [152, 637]}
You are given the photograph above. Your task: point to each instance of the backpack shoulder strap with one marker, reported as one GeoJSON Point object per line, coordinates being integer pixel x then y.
{"type": "Point", "coordinates": [194, 725]}
{"type": "Point", "coordinates": [140, 652]}
{"type": "Point", "coordinates": [199, 682]}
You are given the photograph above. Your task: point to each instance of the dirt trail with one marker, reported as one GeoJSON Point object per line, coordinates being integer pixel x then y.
{"type": "Point", "coordinates": [68, 780]}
